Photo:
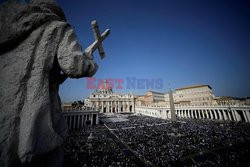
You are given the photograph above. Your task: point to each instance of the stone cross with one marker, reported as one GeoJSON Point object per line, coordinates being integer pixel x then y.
{"type": "Point", "coordinates": [98, 41]}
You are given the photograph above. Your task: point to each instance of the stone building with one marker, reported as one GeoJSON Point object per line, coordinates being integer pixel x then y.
{"type": "Point", "coordinates": [197, 95]}
{"type": "Point", "coordinates": [150, 98]}
{"type": "Point", "coordinates": [107, 101]}
{"type": "Point", "coordinates": [231, 101]}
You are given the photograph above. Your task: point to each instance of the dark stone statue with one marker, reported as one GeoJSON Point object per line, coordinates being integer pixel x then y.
{"type": "Point", "coordinates": [38, 51]}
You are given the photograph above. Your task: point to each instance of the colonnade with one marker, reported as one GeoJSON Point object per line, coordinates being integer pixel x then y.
{"type": "Point", "coordinates": [213, 113]}
{"type": "Point", "coordinates": [79, 119]}
{"type": "Point", "coordinates": [114, 106]}
{"type": "Point", "coordinates": [217, 114]}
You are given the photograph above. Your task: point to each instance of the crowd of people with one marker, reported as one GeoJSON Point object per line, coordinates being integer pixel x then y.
{"type": "Point", "coordinates": [160, 142]}
{"type": "Point", "coordinates": [93, 146]}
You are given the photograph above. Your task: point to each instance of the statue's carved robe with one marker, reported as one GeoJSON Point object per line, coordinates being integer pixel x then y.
{"type": "Point", "coordinates": [32, 65]}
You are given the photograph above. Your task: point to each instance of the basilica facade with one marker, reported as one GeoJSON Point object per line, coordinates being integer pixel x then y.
{"type": "Point", "coordinates": [107, 101]}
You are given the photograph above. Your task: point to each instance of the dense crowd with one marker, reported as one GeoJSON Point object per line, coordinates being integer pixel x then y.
{"type": "Point", "coordinates": [93, 146]}
{"type": "Point", "coordinates": [159, 142]}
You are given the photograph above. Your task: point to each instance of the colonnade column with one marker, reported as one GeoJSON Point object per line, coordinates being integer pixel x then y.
{"type": "Point", "coordinates": [248, 115]}
{"type": "Point", "coordinates": [245, 115]}
{"type": "Point", "coordinates": [224, 114]}
{"type": "Point", "coordinates": [102, 107]}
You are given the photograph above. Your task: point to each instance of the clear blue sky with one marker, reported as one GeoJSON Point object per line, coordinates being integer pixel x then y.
{"type": "Point", "coordinates": [183, 42]}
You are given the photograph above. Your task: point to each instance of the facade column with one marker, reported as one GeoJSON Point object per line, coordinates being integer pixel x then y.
{"type": "Point", "coordinates": [128, 106]}
{"type": "Point", "coordinates": [97, 119]}
{"type": "Point", "coordinates": [91, 119]}
{"type": "Point", "coordinates": [112, 105]}
{"type": "Point", "coordinates": [97, 105]}
{"type": "Point", "coordinates": [133, 105]}
{"type": "Point", "coordinates": [125, 106]}
{"type": "Point", "coordinates": [118, 105]}
{"type": "Point", "coordinates": [102, 107]}
{"type": "Point", "coordinates": [107, 108]}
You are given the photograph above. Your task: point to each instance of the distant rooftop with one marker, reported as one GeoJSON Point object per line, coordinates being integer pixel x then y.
{"type": "Point", "coordinates": [193, 86]}
{"type": "Point", "coordinates": [155, 92]}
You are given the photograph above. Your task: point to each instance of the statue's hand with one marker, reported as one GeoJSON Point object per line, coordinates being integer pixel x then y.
{"type": "Point", "coordinates": [89, 55]}
{"type": "Point", "coordinates": [92, 67]}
